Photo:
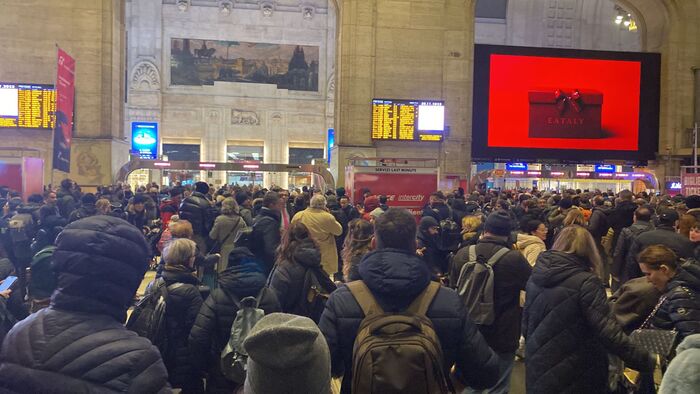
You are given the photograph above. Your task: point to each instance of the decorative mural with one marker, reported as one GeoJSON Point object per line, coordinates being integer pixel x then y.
{"type": "Point", "coordinates": [202, 62]}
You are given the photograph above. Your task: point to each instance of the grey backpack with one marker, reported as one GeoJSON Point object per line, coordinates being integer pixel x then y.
{"type": "Point", "coordinates": [475, 286]}
{"type": "Point", "coordinates": [234, 358]}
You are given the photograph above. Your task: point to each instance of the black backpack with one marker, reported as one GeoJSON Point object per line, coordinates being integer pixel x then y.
{"type": "Point", "coordinates": [314, 294]}
{"type": "Point", "coordinates": [148, 316]}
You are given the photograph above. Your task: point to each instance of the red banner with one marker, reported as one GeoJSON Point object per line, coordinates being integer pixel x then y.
{"type": "Point", "coordinates": [65, 93]}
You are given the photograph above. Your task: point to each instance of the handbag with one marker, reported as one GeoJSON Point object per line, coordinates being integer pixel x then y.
{"type": "Point", "coordinates": [661, 342]}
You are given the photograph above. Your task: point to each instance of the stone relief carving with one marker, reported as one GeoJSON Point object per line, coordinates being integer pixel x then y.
{"type": "Point", "coordinates": [145, 76]}
{"type": "Point", "coordinates": [89, 165]}
{"type": "Point", "coordinates": [242, 117]}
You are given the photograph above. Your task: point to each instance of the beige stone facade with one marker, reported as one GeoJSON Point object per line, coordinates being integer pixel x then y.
{"type": "Point", "coordinates": [381, 48]}
{"type": "Point", "coordinates": [91, 32]}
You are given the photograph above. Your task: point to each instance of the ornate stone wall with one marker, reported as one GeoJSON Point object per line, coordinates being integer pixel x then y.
{"type": "Point", "coordinates": [229, 112]}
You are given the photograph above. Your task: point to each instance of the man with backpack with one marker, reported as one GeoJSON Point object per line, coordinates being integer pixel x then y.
{"type": "Point", "coordinates": [396, 294]}
{"type": "Point", "coordinates": [490, 277]}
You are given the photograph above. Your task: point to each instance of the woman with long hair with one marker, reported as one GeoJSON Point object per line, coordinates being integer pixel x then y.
{"type": "Point", "coordinates": [567, 323]}
{"type": "Point", "coordinates": [357, 244]}
{"type": "Point", "coordinates": [297, 254]}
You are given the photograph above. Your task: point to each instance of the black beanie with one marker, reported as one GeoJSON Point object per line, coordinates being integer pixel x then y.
{"type": "Point", "coordinates": [427, 222]}
{"type": "Point", "coordinates": [693, 201]}
{"type": "Point", "coordinates": [565, 203]}
{"type": "Point", "coordinates": [498, 223]}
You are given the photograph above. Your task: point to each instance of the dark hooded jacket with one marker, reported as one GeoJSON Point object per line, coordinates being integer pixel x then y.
{"type": "Point", "coordinates": [212, 329]}
{"type": "Point", "coordinates": [395, 278]}
{"type": "Point", "coordinates": [287, 278]}
{"type": "Point", "coordinates": [623, 246]}
{"type": "Point", "coordinates": [195, 209]}
{"type": "Point", "coordinates": [266, 237]}
{"type": "Point", "coordinates": [569, 329]}
{"type": "Point", "coordinates": [432, 254]}
{"type": "Point", "coordinates": [620, 217]}
{"type": "Point", "coordinates": [681, 310]}
{"type": "Point", "coordinates": [79, 343]}
{"type": "Point", "coordinates": [183, 304]}
{"type": "Point", "coordinates": [439, 211]}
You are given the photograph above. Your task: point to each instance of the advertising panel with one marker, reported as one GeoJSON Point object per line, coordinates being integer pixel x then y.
{"type": "Point", "coordinates": [565, 104]}
{"type": "Point", "coordinates": [690, 184]}
{"type": "Point", "coordinates": [404, 187]}
{"type": "Point", "coordinates": [144, 139]}
{"type": "Point", "coordinates": [63, 130]}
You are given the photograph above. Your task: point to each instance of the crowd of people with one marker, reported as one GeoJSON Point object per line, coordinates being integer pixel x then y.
{"type": "Point", "coordinates": [287, 291]}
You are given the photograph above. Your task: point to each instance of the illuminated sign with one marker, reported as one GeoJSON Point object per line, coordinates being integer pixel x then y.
{"type": "Point", "coordinates": [27, 106]}
{"type": "Point", "coordinates": [144, 139]}
{"type": "Point", "coordinates": [516, 166]}
{"type": "Point", "coordinates": [605, 168]}
{"type": "Point", "coordinates": [408, 120]}
{"type": "Point", "coordinates": [331, 143]}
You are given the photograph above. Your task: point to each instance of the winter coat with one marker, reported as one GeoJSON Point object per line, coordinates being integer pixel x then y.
{"type": "Point", "coordinates": [195, 209]}
{"type": "Point", "coordinates": [663, 235]}
{"type": "Point", "coordinates": [86, 210]}
{"type": "Point", "coordinates": [79, 343]}
{"type": "Point", "coordinates": [683, 374]}
{"type": "Point", "coordinates": [620, 217]}
{"type": "Point", "coordinates": [323, 229]}
{"type": "Point", "coordinates": [287, 278]}
{"type": "Point", "coordinates": [182, 306]}
{"type": "Point", "coordinates": [510, 274]}
{"type": "Point", "coordinates": [395, 278]}
{"type": "Point", "coordinates": [681, 309]}
{"type": "Point", "coordinates": [224, 233]}
{"type": "Point", "coordinates": [633, 302]}
{"type": "Point", "coordinates": [623, 246]}
{"type": "Point", "coordinates": [598, 224]}
{"type": "Point", "coordinates": [66, 202]}
{"type": "Point", "coordinates": [432, 255]}
{"type": "Point", "coordinates": [530, 246]}
{"type": "Point", "coordinates": [212, 328]}
{"type": "Point", "coordinates": [247, 215]}
{"type": "Point", "coordinates": [569, 329]}
{"type": "Point", "coordinates": [266, 237]}
{"type": "Point", "coordinates": [140, 220]}
{"type": "Point", "coordinates": [350, 212]}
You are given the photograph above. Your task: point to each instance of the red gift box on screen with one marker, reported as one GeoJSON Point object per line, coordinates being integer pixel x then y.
{"type": "Point", "coordinates": [560, 113]}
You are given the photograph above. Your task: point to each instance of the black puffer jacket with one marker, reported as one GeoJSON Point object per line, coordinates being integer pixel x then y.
{"type": "Point", "coordinates": [623, 246]}
{"type": "Point", "coordinates": [287, 278]}
{"type": "Point", "coordinates": [569, 329]}
{"type": "Point", "coordinates": [266, 237]}
{"type": "Point", "coordinates": [212, 328]}
{"type": "Point", "coordinates": [396, 278]}
{"type": "Point", "coordinates": [681, 310]}
{"type": "Point", "coordinates": [79, 344]}
{"type": "Point", "coordinates": [195, 210]}
{"type": "Point", "coordinates": [83, 212]}
{"type": "Point", "coordinates": [183, 304]}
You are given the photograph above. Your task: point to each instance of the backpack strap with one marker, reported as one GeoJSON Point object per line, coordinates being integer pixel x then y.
{"type": "Point", "coordinates": [472, 253]}
{"type": "Point", "coordinates": [364, 297]}
{"type": "Point", "coordinates": [420, 305]}
{"type": "Point", "coordinates": [497, 256]}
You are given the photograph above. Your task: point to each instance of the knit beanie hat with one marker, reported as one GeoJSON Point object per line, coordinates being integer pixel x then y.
{"type": "Point", "coordinates": [241, 197]}
{"type": "Point", "coordinates": [287, 354]}
{"type": "Point", "coordinates": [427, 222]}
{"type": "Point", "coordinates": [498, 223]}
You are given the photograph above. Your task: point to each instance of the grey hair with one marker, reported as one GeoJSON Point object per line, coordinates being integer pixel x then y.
{"type": "Point", "coordinates": [229, 206]}
{"type": "Point", "coordinates": [318, 201]}
{"type": "Point", "coordinates": [179, 251]}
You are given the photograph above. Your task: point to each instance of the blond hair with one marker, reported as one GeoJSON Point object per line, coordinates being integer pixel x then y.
{"type": "Point", "coordinates": [318, 201]}
{"type": "Point", "coordinates": [575, 216]}
{"type": "Point", "coordinates": [229, 206]}
{"type": "Point", "coordinates": [578, 241]}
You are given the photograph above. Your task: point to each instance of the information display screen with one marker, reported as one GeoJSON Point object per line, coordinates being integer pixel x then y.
{"type": "Point", "coordinates": [408, 120]}
{"type": "Point", "coordinates": [27, 106]}
{"type": "Point", "coordinates": [560, 104]}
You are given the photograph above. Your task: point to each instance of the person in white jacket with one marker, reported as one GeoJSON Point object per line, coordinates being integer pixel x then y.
{"type": "Point", "coordinates": [531, 241]}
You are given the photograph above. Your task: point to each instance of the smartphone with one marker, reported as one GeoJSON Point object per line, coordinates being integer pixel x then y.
{"type": "Point", "coordinates": [8, 282]}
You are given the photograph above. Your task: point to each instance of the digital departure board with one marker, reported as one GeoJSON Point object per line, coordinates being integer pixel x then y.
{"type": "Point", "coordinates": [408, 120]}
{"type": "Point", "coordinates": [27, 106]}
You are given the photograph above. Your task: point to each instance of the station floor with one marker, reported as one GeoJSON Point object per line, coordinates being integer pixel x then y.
{"type": "Point", "coordinates": [517, 385]}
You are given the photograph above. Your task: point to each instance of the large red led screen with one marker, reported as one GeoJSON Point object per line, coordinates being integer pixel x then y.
{"type": "Point", "coordinates": [536, 103]}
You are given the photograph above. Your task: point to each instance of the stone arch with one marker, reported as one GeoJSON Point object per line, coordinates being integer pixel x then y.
{"type": "Point", "coordinates": [144, 76]}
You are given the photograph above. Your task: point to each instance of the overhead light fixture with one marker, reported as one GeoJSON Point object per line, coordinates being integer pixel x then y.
{"type": "Point", "coordinates": [632, 26]}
